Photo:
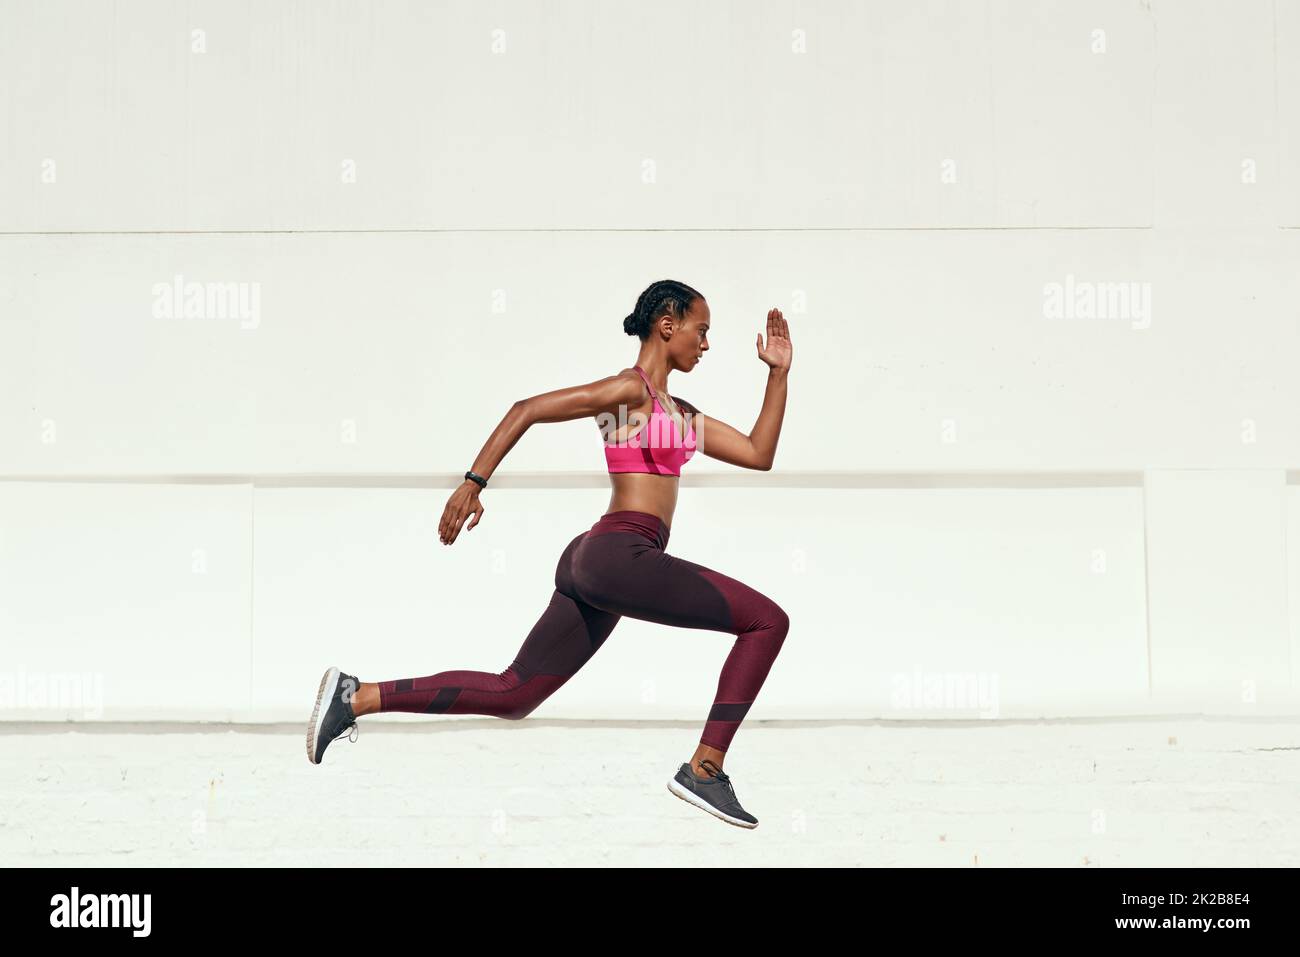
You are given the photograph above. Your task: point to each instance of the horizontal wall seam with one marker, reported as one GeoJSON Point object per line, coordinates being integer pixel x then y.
{"type": "Point", "coordinates": [443, 725]}
{"type": "Point", "coordinates": [569, 229]}
{"type": "Point", "coordinates": [596, 479]}
{"type": "Point", "coordinates": [1119, 478]}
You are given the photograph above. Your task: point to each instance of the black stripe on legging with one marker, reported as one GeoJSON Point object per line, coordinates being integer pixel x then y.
{"type": "Point", "coordinates": [443, 700]}
{"type": "Point", "coordinates": [729, 711]}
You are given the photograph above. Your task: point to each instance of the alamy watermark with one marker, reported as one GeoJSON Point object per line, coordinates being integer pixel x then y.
{"type": "Point", "coordinates": [646, 432]}
{"type": "Point", "coordinates": [1086, 299]}
{"type": "Point", "coordinates": [60, 691]}
{"type": "Point", "coordinates": [76, 909]}
{"type": "Point", "coordinates": [945, 690]}
{"type": "Point", "coordinates": [180, 299]}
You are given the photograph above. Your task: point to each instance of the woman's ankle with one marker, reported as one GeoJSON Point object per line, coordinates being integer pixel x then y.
{"type": "Point", "coordinates": [704, 753]}
{"type": "Point", "coordinates": [365, 700]}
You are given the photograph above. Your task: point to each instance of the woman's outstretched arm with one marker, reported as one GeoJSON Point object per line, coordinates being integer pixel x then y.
{"type": "Point", "coordinates": [757, 450]}
{"type": "Point", "coordinates": [577, 402]}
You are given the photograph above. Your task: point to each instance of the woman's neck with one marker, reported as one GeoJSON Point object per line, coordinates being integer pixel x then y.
{"type": "Point", "coordinates": [650, 367]}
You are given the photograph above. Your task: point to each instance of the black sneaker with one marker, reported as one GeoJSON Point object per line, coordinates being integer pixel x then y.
{"type": "Point", "coordinates": [332, 717]}
{"type": "Point", "coordinates": [714, 793]}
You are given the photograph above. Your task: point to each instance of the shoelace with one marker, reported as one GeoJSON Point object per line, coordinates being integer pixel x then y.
{"type": "Point", "coordinates": [718, 773]}
{"type": "Point", "coordinates": [353, 731]}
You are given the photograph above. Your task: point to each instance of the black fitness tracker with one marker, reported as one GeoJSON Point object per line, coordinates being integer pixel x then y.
{"type": "Point", "coordinates": [475, 477]}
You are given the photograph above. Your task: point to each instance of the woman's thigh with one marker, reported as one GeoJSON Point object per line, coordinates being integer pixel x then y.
{"type": "Point", "coordinates": [624, 574]}
{"type": "Point", "coordinates": [564, 638]}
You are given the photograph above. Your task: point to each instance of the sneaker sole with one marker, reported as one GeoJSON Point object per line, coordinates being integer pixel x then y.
{"type": "Point", "coordinates": [328, 682]}
{"type": "Point", "coordinates": [691, 798]}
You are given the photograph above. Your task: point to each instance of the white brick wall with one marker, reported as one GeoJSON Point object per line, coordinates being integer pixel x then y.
{"type": "Point", "coordinates": [1177, 792]}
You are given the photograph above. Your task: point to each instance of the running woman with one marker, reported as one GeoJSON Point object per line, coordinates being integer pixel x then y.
{"type": "Point", "coordinates": [619, 567]}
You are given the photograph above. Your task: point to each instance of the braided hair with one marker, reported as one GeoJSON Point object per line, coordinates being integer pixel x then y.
{"type": "Point", "coordinates": [665, 296]}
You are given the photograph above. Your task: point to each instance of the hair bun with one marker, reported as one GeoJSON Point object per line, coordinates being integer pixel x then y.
{"type": "Point", "coordinates": [665, 297]}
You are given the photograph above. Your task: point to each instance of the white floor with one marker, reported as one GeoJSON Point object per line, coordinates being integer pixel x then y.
{"type": "Point", "coordinates": [1179, 792]}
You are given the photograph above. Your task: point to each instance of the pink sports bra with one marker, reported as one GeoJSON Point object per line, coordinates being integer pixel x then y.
{"type": "Point", "coordinates": [664, 452]}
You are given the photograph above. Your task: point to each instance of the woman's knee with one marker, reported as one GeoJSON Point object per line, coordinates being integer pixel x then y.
{"type": "Point", "coordinates": [519, 697]}
{"type": "Point", "coordinates": [760, 615]}
{"type": "Point", "coordinates": [778, 620]}
{"type": "Point", "coordinates": [520, 710]}
{"type": "Point", "coordinates": [523, 703]}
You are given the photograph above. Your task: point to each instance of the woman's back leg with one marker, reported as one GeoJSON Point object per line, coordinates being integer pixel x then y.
{"type": "Point", "coordinates": [563, 639]}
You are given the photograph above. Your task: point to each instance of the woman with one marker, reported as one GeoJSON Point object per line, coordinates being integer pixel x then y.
{"type": "Point", "coordinates": [619, 566]}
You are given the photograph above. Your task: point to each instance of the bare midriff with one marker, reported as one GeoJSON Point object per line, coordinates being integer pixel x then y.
{"type": "Point", "coordinates": [643, 492]}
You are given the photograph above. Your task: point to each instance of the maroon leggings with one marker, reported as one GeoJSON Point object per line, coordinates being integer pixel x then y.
{"type": "Point", "coordinates": [618, 567]}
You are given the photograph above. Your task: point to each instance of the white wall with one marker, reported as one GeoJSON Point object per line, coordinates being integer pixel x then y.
{"type": "Point", "coordinates": [443, 208]}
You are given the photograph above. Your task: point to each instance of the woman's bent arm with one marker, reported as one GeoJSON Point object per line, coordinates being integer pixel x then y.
{"type": "Point", "coordinates": [767, 430]}
{"type": "Point", "coordinates": [724, 442]}
{"type": "Point", "coordinates": [579, 401]}
{"type": "Point", "coordinates": [561, 405]}
{"type": "Point", "coordinates": [503, 438]}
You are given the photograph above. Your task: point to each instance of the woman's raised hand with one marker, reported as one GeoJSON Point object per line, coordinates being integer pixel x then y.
{"type": "Point", "coordinates": [777, 351]}
{"type": "Point", "coordinates": [463, 503]}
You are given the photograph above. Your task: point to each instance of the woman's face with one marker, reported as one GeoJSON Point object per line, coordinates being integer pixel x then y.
{"type": "Point", "coordinates": [691, 337]}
